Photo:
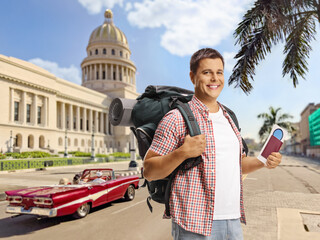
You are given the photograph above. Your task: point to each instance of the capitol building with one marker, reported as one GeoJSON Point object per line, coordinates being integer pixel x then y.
{"type": "Point", "coordinates": [40, 111]}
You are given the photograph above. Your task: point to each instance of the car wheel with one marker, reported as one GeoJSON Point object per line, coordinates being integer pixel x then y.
{"type": "Point", "coordinates": [82, 211]}
{"type": "Point", "coordinates": [130, 193]}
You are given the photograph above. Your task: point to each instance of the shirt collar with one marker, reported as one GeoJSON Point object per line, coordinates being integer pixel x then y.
{"type": "Point", "coordinates": [197, 104]}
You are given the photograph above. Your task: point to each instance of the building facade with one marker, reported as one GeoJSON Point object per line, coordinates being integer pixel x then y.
{"type": "Point", "coordinates": [314, 124]}
{"type": "Point", "coordinates": [43, 112]}
{"type": "Point", "coordinates": [304, 126]}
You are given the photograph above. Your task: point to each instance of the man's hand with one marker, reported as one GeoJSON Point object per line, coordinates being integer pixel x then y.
{"type": "Point", "coordinates": [273, 160]}
{"type": "Point", "coordinates": [194, 146]}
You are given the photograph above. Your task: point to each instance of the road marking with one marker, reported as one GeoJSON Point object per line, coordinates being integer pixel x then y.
{"type": "Point", "coordinates": [123, 209]}
{"type": "Point", "coordinates": [251, 178]}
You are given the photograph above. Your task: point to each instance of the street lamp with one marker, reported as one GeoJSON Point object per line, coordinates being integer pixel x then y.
{"type": "Point", "coordinates": [66, 144]}
{"type": "Point", "coordinates": [92, 144]}
{"type": "Point", "coordinates": [10, 144]}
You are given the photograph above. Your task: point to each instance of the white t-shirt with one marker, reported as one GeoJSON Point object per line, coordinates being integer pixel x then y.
{"type": "Point", "coordinates": [227, 189]}
{"type": "Point", "coordinates": [98, 181]}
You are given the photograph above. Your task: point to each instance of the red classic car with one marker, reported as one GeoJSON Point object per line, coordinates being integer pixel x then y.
{"type": "Point", "coordinates": [76, 199]}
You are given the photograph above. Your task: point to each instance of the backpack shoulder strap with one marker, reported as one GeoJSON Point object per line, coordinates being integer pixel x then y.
{"type": "Point", "coordinates": [233, 117]}
{"type": "Point", "coordinates": [189, 118]}
{"type": "Point", "coordinates": [194, 130]}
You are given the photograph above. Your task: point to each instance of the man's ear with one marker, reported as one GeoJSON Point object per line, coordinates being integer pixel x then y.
{"type": "Point", "coordinates": [192, 78]}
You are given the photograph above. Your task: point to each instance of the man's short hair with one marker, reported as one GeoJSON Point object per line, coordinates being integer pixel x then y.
{"type": "Point", "coordinates": [201, 54]}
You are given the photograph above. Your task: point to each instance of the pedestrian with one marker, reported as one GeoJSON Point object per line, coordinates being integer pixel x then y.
{"type": "Point", "coordinates": [206, 202]}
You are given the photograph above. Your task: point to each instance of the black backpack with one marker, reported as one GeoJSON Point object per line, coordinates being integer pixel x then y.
{"type": "Point", "coordinates": [150, 108]}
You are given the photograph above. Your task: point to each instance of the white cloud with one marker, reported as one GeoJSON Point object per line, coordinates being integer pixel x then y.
{"type": "Point", "coordinates": [71, 74]}
{"type": "Point", "coordinates": [95, 6]}
{"type": "Point", "coordinates": [189, 24]}
{"type": "Point", "coordinates": [229, 60]}
{"type": "Point", "coordinates": [128, 6]}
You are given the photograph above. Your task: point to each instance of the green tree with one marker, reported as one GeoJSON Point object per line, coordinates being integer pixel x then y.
{"type": "Point", "coordinates": [271, 118]}
{"type": "Point", "coordinates": [267, 23]}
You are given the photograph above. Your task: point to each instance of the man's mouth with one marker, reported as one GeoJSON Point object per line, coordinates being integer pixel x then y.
{"type": "Point", "coordinates": [213, 87]}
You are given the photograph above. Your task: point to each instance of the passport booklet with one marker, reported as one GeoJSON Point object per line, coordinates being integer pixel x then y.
{"type": "Point", "coordinates": [273, 143]}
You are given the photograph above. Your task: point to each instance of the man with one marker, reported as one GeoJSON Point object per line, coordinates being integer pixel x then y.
{"type": "Point", "coordinates": [206, 201]}
{"type": "Point", "coordinates": [98, 180]}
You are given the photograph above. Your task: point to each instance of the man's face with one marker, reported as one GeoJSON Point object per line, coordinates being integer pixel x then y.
{"type": "Point", "coordinates": [209, 80]}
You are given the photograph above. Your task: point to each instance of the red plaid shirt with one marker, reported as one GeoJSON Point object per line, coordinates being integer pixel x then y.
{"type": "Point", "coordinates": [192, 193]}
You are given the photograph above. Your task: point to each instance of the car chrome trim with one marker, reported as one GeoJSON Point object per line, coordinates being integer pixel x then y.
{"type": "Point", "coordinates": [49, 212]}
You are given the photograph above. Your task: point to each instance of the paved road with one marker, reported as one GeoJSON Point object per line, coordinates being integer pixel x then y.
{"type": "Point", "coordinates": [117, 220]}
{"type": "Point", "coordinates": [295, 184]}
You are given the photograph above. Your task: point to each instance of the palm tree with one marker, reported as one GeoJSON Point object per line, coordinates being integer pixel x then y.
{"type": "Point", "coordinates": [267, 23]}
{"type": "Point", "coordinates": [274, 117]}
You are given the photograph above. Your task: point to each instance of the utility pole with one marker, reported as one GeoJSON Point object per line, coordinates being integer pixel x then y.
{"type": "Point", "coordinates": [66, 144]}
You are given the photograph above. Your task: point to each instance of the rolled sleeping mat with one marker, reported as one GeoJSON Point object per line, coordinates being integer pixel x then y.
{"type": "Point", "coordinates": [120, 111]}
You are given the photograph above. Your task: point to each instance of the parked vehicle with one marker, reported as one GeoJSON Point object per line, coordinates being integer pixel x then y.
{"type": "Point", "coordinates": [75, 199]}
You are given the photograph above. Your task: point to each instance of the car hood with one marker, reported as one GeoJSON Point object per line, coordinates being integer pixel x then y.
{"type": "Point", "coordinates": [43, 190]}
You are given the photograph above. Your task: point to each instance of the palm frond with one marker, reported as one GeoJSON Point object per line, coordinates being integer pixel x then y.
{"type": "Point", "coordinates": [298, 47]}
{"type": "Point", "coordinates": [263, 26]}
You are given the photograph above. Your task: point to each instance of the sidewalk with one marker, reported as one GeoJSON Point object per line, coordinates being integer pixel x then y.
{"type": "Point", "coordinates": [279, 202]}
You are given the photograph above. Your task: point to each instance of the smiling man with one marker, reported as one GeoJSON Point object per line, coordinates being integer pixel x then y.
{"type": "Point", "coordinates": [206, 202]}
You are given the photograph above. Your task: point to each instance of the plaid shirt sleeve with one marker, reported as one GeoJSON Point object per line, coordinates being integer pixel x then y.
{"type": "Point", "coordinates": [168, 134]}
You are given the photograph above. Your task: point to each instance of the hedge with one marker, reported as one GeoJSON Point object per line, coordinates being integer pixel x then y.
{"type": "Point", "coordinates": [9, 165]}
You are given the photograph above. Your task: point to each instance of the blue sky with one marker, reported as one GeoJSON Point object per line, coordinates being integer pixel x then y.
{"type": "Point", "coordinates": [162, 35]}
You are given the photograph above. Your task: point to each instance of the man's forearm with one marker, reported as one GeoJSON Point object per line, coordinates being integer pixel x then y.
{"type": "Point", "coordinates": [251, 164]}
{"type": "Point", "coordinates": [157, 167]}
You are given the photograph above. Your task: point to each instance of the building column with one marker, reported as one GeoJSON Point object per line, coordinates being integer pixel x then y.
{"type": "Point", "coordinates": [106, 70]}
{"type": "Point", "coordinates": [77, 118]}
{"type": "Point", "coordinates": [35, 111]}
{"type": "Point", "coordinates": [95, 72]}
{"type": "Point", "coordinates": [100, 71]}
{"type": "Point", "coordinates": [63, 116]}
{"type": "Point", "coordinates": [87, 73]}
{"type": "Point", "coordinates": [101, 122]}
{"type": "Point", "coordinates": [96, 124]}
{"type": "Point", "coordinates": [12, 105]}
{"type": "Point", "coordinates": [70, 117]}
{"type": "Point", "coordinates": [23, 107]}
{"type": "Point", "coordinates": [91, 74]}
{"type": "Point", "coordinates": [117, 72]}
{"type": "Point", "coordinates": [90, 120]}
{"type": "Point", "coordinates": [112, 72]}
{"type": "Point", "coordinates": [84, 120]}
{"type": "Point", "coordinates": [106, 124]}
{"type": "Point", "coordinates": [127, 77]}
{"type": "Point", "coordinates": [122, 74]}
{"type": "Point", "coordinates": [45, 113]}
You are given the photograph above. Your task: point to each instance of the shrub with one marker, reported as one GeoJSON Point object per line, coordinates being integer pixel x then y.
{"type": "Point", "coordinates": [120, 155]}
{"type": "Point", "coordinates": [101, 155]}
{"type": "Point", "coordinates": [2, 156]}
{"type": "Point", "coordinates": [82, 154]}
